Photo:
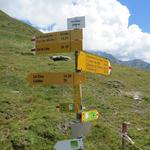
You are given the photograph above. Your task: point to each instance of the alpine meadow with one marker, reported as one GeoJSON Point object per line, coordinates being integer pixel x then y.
{"type": "Point", "coordinates": [29, 119]}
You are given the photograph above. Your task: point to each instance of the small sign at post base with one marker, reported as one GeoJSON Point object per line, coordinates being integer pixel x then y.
{"type": "Point", "coordinates": [73, 144]}
{"type": "Point", "coordinates": [91, 115]}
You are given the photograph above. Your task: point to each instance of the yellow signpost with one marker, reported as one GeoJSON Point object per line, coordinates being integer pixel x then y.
{"type": "Point", "coordinates": [55, 78]}
{"type": "Point", "coordinates": [69, 41]}
{"type": "Point", "coordinates": [94, 64]}
{"type": "Point", "coordinates": [59, 42]}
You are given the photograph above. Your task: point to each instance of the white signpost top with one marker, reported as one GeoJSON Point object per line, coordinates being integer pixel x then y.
{"type": "Point", "coordinates": [76, 23]}
{"type": "Point", "coordinates": [73, 144]}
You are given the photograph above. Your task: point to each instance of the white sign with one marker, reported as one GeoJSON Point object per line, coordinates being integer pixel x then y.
{"type": "Point", "coordinates": [73, 144]}
{"type": "Point", "coordinates": [76, 23]}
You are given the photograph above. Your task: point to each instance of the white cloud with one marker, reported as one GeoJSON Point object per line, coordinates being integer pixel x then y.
{"type": "Point", "coordinates": [106, 29]}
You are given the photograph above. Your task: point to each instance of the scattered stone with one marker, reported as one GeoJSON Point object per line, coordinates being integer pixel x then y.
{"type": "Point", "coordinates": [137, 96]}
{"type": "Point", "coordinates": [64, 126]}
{"type": "Point", "coordinates": [115, 84]}
{"type": "Point", "coordinates": [17, 146]}
{"type": "Point", "coordinates": [48, 136]}
{"type": "Point", "coordinates": [15, 92]}
{"type": "Point", "coordinates": [139, 129]}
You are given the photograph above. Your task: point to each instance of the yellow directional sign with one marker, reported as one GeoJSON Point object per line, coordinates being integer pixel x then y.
{"type": "Point", "coordinates": [59, 42]}
{"type": "Point", "coordinates": [94, 64]}
{"type": "Point", "coordinates": [62, 36]}
{"type": "Point", "coordinates": [55, 78]}
{"type": "Point", "coordinates": [58, 47]}
{"type": "Point", "coordinates": [91, 115]}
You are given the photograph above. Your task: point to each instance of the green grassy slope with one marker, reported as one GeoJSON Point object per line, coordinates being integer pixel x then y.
{"type": "Point", "coordinates": [28, 118]}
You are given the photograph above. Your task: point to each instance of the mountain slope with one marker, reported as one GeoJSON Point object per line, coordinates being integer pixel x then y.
{"type": "Point", "coordinates": [14, 26]}
{"type": "Point", "coordinates": [28, 118]}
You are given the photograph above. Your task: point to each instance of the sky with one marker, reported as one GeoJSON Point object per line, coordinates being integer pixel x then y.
{"type": "Point", "coordinates": [140, 11]}
{"type": "Point", "coordinates": [118, 27]}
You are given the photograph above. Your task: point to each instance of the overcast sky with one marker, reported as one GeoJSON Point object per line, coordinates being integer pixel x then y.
{"type": "Point", "coordinates": [107, 23]}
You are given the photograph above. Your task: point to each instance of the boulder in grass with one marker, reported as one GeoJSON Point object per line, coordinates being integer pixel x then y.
{"type": "Point", "coordinates": [60, 58]}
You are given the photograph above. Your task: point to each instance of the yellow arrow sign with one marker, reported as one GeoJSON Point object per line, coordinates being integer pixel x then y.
{"type": "Point", "coordinates": [94, 64]}
{"type": "Point", "coordinates": [59, 42]}
{"type": "Point", "coordinates": [55, 78]}
{"type": "Point", "coordinates": [91, 115]}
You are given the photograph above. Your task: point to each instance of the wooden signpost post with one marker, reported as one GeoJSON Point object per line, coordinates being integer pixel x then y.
{"type": "Point", "coordinates": [70, 41]}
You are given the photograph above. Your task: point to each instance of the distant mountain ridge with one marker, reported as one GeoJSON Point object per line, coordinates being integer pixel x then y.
{"type": "Point", "coordinates": [136, 63]}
